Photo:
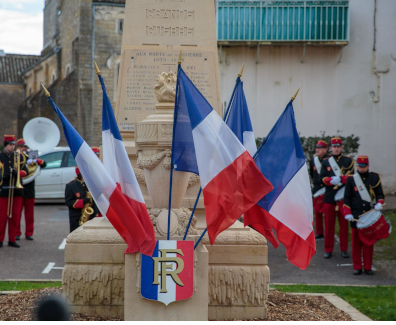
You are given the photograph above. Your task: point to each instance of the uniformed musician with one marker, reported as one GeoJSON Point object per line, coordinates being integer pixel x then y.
{"type": "Point", "coordinates": [360, 190]}
{"type": "Point", "coordinates": [96, 150]}
{"type": "Point", "coordinates": [10, 197]}
{"type": "Point", "coordinates": [334, 174]}
{"type": "Point", "coordinates": [315, 166]}
{"type": "Point", "coordinates": [76, 198]}
{"type": "Point", "coordinates": [29, 194]}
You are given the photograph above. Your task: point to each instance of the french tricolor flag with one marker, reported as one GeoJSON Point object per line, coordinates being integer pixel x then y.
{"type": "Point", "coordinates": [289, 206]}
{"type": "Point", "coordinates": [205, 145]}
{"type": "Point", "coordinates": [117, 164]}
{"type": "Point", "coordinates": [105, 191]}
{"type": "Point", "coordinates": [239, 121]}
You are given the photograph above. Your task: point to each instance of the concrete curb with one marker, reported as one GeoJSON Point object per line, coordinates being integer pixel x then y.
{"type": "Point", "coordinates": [331, 285]}
{"type": "Point", "coordinates": [30, 280]}
{"type": "Point", "coordinates": [339, 303]}
{"type": "Point", "coordinates": [9, 292]}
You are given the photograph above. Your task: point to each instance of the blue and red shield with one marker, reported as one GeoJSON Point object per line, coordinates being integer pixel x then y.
{"type": "Point", "coordinates": [168, 275]}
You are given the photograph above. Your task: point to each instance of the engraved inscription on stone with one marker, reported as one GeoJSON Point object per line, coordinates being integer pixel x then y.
{"type": "Point", "coordinates": [141, 70]}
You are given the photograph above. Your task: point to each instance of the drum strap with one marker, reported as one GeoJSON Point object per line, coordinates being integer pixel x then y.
{"type": "Point", "coordinates": [364, 194]}
{"type": "Point", "coordinates": [334, 166]}
{"type": "Point", "coordinates": [318, 164]}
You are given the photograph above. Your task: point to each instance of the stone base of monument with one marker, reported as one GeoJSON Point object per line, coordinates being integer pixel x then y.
{"type": "Point", "coordinates": [193, 309]}
{"type": "Point", "coordinates": [238, 274]}
{"type": "Point", "coordinates": [94, 272]}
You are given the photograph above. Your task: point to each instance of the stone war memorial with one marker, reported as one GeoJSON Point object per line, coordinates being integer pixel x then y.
{"type": "Point", "coordinates": [230, 278]}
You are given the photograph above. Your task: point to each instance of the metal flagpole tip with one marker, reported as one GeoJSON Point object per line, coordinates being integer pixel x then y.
{"type": "Point", "coordinates": [241, 72]}
{"type": "Point", "coordinates": [180, 57]}
{"type": "Point", "coordinates": [46, 92]}
{"type": "Point", "coordinates": [295, 95]}
{"type": "Point", "coordinates": [96, 68]}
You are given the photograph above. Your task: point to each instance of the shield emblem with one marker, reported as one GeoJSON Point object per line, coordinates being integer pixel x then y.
{"type": "Point", "coordinates": [168, 275]}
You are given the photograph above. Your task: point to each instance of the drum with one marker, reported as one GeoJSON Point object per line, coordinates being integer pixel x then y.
{"type": "Point", "coordinates": [320, 192]}
{"type": "Point", "coordinates": [340, 194]}
{"type": "Point", "coordinates": [373, 226]}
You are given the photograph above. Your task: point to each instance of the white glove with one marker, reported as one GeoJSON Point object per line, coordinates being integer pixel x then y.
{"type": "Point", "coordinates": [29, 161]}
{"type": "Point", "coordinates": [378, 207]}
{"type": "Point", "coordinates": [335, 180]}
{"type": "Point", "coordinates": [35, 160]}
{"type": "Point", "coordinates": [349, 217]}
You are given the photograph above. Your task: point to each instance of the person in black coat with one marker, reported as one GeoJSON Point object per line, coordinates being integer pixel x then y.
{"type": "Point", "coordinates": [355, 206]}
{"type": "Point", "coordinates": [76, 198]}
{"type": "Point", "coordinates": [315, 166]}
{"type": "Point", "coordinates": [9, 171]}
{"type": "Point", "coordinates": [346, 167]}
{"type": "Point", "coordinates": [29, 194]}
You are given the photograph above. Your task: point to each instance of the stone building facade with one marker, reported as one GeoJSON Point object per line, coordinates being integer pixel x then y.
{"type": "Point", "coordinates": [76, 32]}
{"type": "Point", "coordinates": [12, 88]}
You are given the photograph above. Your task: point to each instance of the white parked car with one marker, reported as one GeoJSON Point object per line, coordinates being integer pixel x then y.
{"type": "Point", "coordinates": [60, 170]}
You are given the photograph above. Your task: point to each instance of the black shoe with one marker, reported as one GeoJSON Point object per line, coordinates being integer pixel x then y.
{"type": "Point", "coordinates": [1, 244]}
{"type": "Point", "coordinates": [319, 236]}
{"type": "Point", "coordinates": [357, 272]}
{"type": "Point", "coordinates": [29, 237]}
{"type": "Point", "coordinates": [327, 255]}
{"type": "Point", "coordinates": [369, 272]}
{"type": "Point", "coordinates": [17, 237]}
{"type": "Point", "coordinates": [344, 254]}
{"type": "Point", "coordinates": [13, 244]}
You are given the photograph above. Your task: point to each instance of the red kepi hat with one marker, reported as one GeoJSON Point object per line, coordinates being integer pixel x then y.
{"type": "Point", "coordinates": [78, 171]}
{"type": "Point", "coordinates": [96, 150]}
{"type": "Point", "coordinates": [8, 139]}
{"type": "Point", "coordinates": [21, 142]}
{"type": "Point", "coordinates": [335, 142]}
{"type": "Point", "coordinates": [321, 144]}
{"type": "Point", "coordinates": [362, 161]}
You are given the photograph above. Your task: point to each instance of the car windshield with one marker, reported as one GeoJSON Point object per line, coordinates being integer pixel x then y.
{"type": "Point", "coordinates": [53, 159]}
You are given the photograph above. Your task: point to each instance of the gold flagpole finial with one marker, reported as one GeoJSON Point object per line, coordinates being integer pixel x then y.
{"type": "Point", "coordinates": [180, 57]}
{"type": "Point", "coordinates": [46, 92]}
{"type": "Point", "coordinates": [96, 68]}
{"type": "Point", "coordinates": [241, 72]}
{"type": "Point", "coordinates": [295, 95]}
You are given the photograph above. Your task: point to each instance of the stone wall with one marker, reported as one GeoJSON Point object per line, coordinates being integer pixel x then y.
{"type": "Point", "coordinates": [11, 95]}
{"type": "Point", "coordinates": [108, 40]}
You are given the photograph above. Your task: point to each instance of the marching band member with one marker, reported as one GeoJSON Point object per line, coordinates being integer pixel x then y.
{"type": "Point", "coordinates": [315, 166]}
{"type": "Point", "coordinates": [96, 150]}
{"type": "Point", "coordinates": [29, 194]}
{"type": "Point", "coordinates": [10, 197]}
{"type": "Point", "coordinates": [76, 198]}
{"type": "Point", "coordinates": [360, 190]}
{"type": "Point", "coordinates": [334, 174]}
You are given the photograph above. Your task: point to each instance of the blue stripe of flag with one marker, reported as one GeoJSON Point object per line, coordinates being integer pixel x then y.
{"type": "Point", "coordinates": [239, 119]}
{"type": "Point", "coordinates": [108, 119]}
{"type": "Point", "coordinates": [281, 157]}
{"type": "Point", "coordinates": [148, 290]}
{"type": "Point", "coordinates": [74, 140]}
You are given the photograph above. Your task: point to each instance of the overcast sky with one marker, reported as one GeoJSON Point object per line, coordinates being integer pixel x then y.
{"type": "Point", "coordinates": [21, 26]}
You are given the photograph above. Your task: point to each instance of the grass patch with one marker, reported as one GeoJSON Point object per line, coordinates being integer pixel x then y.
{"type": "Point", "coordinates": [386, 249]}
{"type": "Point", "coordinates": [24, 285]}
{"type": "Point", "coordinates": [378, 303]}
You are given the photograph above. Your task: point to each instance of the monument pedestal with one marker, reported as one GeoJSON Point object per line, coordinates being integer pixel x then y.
{"type": "Point", "coordinates": [192, 309]}
{"type": "Point", "coordinates": [238, 274]}
{"type": "Point", "coordinates": [93, 277]}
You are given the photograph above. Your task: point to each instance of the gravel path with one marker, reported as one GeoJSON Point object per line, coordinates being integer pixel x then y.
{"type": "Point", "coordinates": [281, 307]}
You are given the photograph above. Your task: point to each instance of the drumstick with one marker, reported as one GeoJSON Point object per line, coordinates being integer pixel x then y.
{"type": "Point", "coordinates": [365, 214]}
{"type": "Point", "coordinates": [356, 220]}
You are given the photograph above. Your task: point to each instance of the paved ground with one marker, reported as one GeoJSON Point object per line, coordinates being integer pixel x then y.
{"type": "Point", "coordinates": [45, 254]}
{"type": "Point", "coordinates": [336, 270]}
{"type": "Point", "coordinates": [29, 261]}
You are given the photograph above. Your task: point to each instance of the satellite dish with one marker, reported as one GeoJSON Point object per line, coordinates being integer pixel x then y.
{"type": "Point", "coordinates": [41, 134]}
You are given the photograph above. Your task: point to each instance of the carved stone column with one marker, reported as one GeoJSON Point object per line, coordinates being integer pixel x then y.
{"type": "Point", "coordinates": [154, 141]}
